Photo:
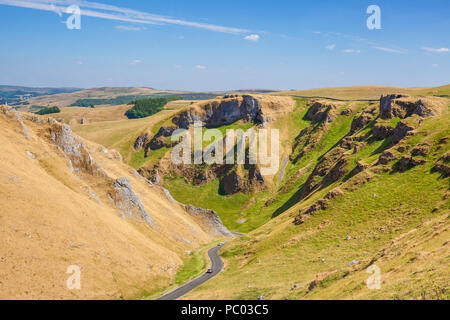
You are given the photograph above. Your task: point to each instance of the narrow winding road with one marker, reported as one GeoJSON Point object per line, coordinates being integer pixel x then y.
{"type": "Point", "coordinates": [216, 267]}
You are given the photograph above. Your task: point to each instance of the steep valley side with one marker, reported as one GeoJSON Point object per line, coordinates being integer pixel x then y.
{"type": "Point", "coordinates": [68, 202]}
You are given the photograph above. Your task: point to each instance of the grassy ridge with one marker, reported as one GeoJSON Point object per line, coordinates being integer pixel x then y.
{"type": "Point", "coordinates": [367, 92]}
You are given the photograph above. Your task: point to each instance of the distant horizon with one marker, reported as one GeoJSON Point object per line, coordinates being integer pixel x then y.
{"type": "Point", "coordinates": [223, 90]}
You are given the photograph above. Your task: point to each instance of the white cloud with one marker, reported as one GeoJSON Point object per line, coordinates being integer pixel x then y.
{"type": "Point", "coordinates": [111, 12]}
{"type": "Point", "coordinates": [200, 67]}
{"type": "Point", "coordinates": [129, 28]}
{"type": "Point", "coordinates": [252, 37]}
{"type": "Point", "coordinates": [351, 51]}
{"type": "Point", "coordinates": [388, 49]}
{"type": "Point", "coordinates": [331, 47]}
{"type": "Point", "coordinates": [436, 50]}
{"type": "Point", "coordinates": [79, 62]}
{"type": "Point", "coordinates": [135, 62]}
{"type": "Point", "coordinates": [435, 65]}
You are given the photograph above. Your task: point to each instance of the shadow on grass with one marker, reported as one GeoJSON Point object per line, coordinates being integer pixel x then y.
{"type": "Point", "coordinates": [289, 204]}
{"type": "Point", "coordinates": [385, 145]}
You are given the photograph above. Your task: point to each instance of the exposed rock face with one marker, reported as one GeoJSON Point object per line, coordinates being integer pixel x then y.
{"type": "Point", "coordinates": [79, 157]}
{"type": "Point", "coordinates": [348, 143]}
{"type": "Point", "coordinates": [360, 122]}
{"type": "Point", "coordinates": [422, 149]}
{"type": "Point", "coordinates": [322, 113]}
{"type": "Point", "coordinates": [127, 202]}
{"type": "Point", "coordinates": [381, 132]}
{"type": "Point", "coordinates": [360, 167]}
{"type": "Point", "coordinates": [140, 141]}
{"type": "Point", "coordinates": [213, 114]}
{"type": "Point", "coordinates": [166, 132]}
{"type": "Point", "coordinates": [401, 131]}
{"type": "Point", "coordinates": [386, 111]}
{"type": "Point", "coordinates": [31, 155]}
{"type": "Point", "coordinates": [392, 106]}
{"type": "Point", "coordinates": [318, 206]}
{"type": "Point", "coordinates": [233, 183]}
{"type": "Point", "coordinates": [211, 218]}
{"type": "Point", "coordinates": [443, 165]}
{"type": "Point", "coordinates": [407, 162]}
{"type": "Point", "coordinates": [386, 157]}
{"type": "Point", "coordinates": [337, 172]}
{"type": "Point", "coordinates": [330, 169]}
{"type": "Point", "coordinates": [227, 112]}
{"type": "Point", "coordinates": [168, 195]}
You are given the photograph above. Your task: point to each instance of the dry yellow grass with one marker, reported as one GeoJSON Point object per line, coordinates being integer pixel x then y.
{"type": "Point", "coordinates": [66, 99]}
{"type": "Point", "coordinates": [366, 92]}
{"type": "Point", "coordinates": [49, 221]}
{"type": "Point", "coordinates": [74, 115]}
{"type": "Point", "coordinates": [110, 127]}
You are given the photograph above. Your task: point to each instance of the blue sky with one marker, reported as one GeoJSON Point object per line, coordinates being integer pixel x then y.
{"type": "Point", "coordinates": [223, 45]}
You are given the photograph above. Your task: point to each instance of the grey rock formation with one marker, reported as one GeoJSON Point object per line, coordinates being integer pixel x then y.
{"type": "Point", "coordinates": [386, 105]}
{"type": "Point", "coordinates": [168, 195]}
{"type": "Point", "coordinates": [408, 162]}
{"type": "Point", "coordinates": [443, 165]}
{"type": "Point", "coordinates": [228, 111]}
{"type": "Point", "coordinates": [80, 160]}
{"type": "Point", "coordinates": [363, 120]}
{"type": "Point", "coordinates": [231, 183]}
{"type": "Point", "coordinates": [393, 106]}
{"type": "Point", "coordinates": [127, 202]}
{"type": "Point", "coordinates": [402, 131]}
{"type": "Point", "coordinates": [225, 112]}
{"type": "Point", "coordinates": [386, 157]}
{"type": "Point", "coordinates": [141, 141]}
{"type": "Point", "coordinates": [381, 132]}
{"type": "Point", "coordinates": [31, 155]}
{"type": "Point", "coordinates": [212, 219]}
{"type": "Point", "coordinates": [320, 112]}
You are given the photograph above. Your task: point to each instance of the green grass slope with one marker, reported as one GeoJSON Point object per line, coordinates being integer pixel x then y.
{"type": "Point", "coordinates": [389, 216]}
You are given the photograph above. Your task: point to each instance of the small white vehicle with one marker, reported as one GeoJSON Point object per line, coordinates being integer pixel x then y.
{"type": "Point", "coordinates": [209, 271]}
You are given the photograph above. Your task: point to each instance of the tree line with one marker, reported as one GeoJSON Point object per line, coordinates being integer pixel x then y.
{"type": "Point", "coordinates": [143, 108]}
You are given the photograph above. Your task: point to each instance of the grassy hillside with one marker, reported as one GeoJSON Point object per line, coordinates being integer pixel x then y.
{"type": "Point", "coordinates": [359, 213]}
{"type": "Point", "coordinates": [110, 127]}
{"type": "Point", "coordinates": [367, 92]}
{"type": "Point", "coordinates": [16, 95]}
{"type": "Point", "coordinates": [245, 212]}
{"type": "Point", "coordinates": [99, 94]}
{"type": "Point", "coordinates": [61, 205]}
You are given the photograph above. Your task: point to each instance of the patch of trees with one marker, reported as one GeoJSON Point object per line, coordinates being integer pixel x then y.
{"type": "Point", "coordinates": [147, 107]}
{"type": "Point", "coordinates": [48, 111]}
